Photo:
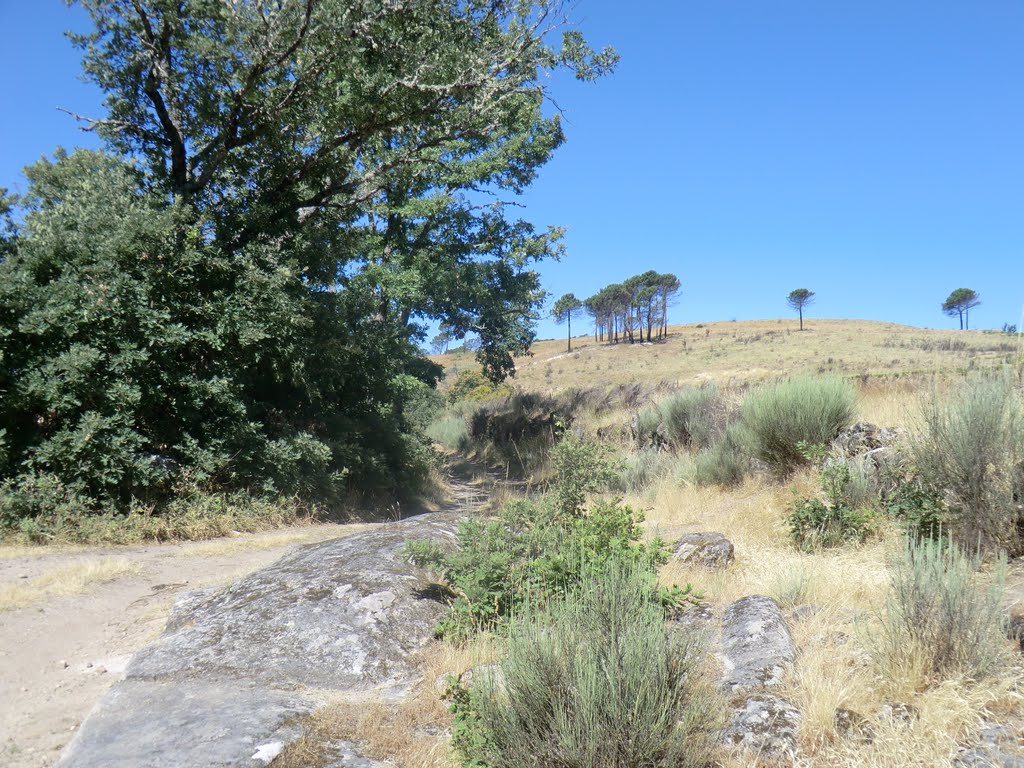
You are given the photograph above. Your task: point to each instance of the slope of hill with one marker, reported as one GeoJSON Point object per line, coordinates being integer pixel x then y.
{"type": "Point", "coordinates": [749, 351]}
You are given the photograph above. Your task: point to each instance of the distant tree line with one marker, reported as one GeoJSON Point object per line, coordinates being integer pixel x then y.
{"type": "Point", "coordinates": [639, 305]}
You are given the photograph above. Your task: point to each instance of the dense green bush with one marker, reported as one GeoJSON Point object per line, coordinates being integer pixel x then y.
{"type": "Point", "coordinates": [940, 613]}
{"type": "Point", "coordinates": [968, 448]}
{"type": "Point", "coordinates": [593, 679]}
{"type": "Point", "coordinates": [135, 357]}
{"type": "Point", "coordinates": [783, 415]}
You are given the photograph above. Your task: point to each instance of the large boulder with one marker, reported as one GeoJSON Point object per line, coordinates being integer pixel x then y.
{"type": "Point", "coordinates": [864, 437]}
{"type": "Point", "coordinates": [712, 550]}
{"type": "Point", "coordinates": [236, 669]}
{"type": "Point", "coordinates": [757, 647]}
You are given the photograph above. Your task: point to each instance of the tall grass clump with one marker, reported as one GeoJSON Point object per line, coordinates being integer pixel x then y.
{"type": "Point", "coordinates": [594, 679]}
{"type": "Point", "coordinates": [969, 451]}
{"type": "Point", "coordinates": [727, 462]}
{"type": "Point", "coordinates": [451, 432]}
{"type": "Point", "coordinates": [941, 619]}
{"type": "Point", "coordinates": [805, 410]}
{"type": "Point", "coordinates": [693, 418]}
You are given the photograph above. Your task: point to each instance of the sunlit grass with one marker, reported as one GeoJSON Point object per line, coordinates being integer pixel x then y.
{"type": "Point", "coordinates": [71, 579]}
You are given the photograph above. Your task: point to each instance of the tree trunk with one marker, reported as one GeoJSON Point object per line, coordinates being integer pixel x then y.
{"type": "Point", "coordinates": [801, 311]}
{"type": "Point", "coordinates": [568, 321]}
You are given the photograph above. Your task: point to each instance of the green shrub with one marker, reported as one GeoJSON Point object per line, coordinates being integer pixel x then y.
{"type": "Point", "coordinates": [969, 451]}
{"type": "Point", "coordinates": [643, 468]}
{"type": "Point", "coordinates": [727, 462]}
{"type": "Point", "coordinates": [472, 385]}
{"type": "Point", "coordinates": [839, 519]}
{"type": "Point", "coordinates": [537, 548]}
{"type": "Point", "coordinates": [803, 410]}
{"type": "Point", "coordinates": [940, 614]}
{"type": "Point", "coordinates": [917, 509]}
{"type": "Point", "coordinates": [593, 680]}
{"type": "Point", "coordinates": [693, 418]}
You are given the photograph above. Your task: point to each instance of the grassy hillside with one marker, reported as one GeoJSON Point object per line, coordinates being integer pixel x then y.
{"type": "Point", "coordinates": [755, 350]}
{"type": "Point", "coordinates": [839, 598]}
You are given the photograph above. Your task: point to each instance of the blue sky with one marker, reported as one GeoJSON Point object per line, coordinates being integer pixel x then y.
{"type": "Point", "coordinates": [870, 151]}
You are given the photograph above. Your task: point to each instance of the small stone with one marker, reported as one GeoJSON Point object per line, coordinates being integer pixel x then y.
{"type": "Point", "coordinates": [88, 665]}
{"type": "Point", "coordinates": [101, 670]}
{"type": "Point", "coordinates": [897, 714]}
{"type": "Point", "coordinates": [853, 725]}
{"type": "Point", "coordinates": [64, 664]}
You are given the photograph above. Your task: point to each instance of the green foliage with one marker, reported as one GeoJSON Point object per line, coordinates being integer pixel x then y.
{"type": "Point", "coordinates": [968, 447]}
{"type": "Point", "coordinates": [234, 295]}
{"type": "Point", "coordinates": [941, 614]}
{"type": "Point", "coordinates": [839, 519]}
{"type": "Point", "coordinates": [693, 418]}
{"type": "Point", "coordinates": [450, 431]}
{"type": "Point", "coordinates": [801, 410]}
{"type": "Point", "coordinates": [593, 679]}
{"type": "Point", "coordinates": [537, 548]}
{"type": "Point", "coordinates": [472, 385]}
{"type": "Point", "coordinates": [117, 382]}
{"type": "Point", "coordinates": [922, 514]}
{"type": "Point", "coordinates": [959, 303]}
{"type": "Point", "coordinates": [581, 467]}
{"type": "Point", "coordinates": [727, 462]}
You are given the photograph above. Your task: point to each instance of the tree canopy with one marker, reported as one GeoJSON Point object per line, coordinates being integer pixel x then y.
{"type": "Point", "coordinates": [563, 311]}
{"type": "Point", "coordinates": [798, 299]}
{"type": "Point", "coordinates": [960, 303]}
{"type": "Point", "coordinates": [626, 308]}
{"type": "Point", "coordinates": [231, 293]}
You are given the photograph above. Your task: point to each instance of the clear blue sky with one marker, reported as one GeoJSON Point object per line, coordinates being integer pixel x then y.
{"type": "Point", "coordinates": [870, 151]}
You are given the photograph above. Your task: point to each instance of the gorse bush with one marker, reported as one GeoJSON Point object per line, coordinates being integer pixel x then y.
{"type": "Point", "coordinates": [593, 679]}
{"type": "Point", "coordinates": [781, 416]}
{"type": "Point", "coordinates": [694, 417]}
{"type": "Point", "coordinates": [941, 617]}
{"type": "Point", "coordinates": [969, 451]}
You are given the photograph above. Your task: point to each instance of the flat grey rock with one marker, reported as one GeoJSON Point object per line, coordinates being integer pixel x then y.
{"type": "Point", "coordinates": [756, 648]}
{"type": "Point", "coordinates": [235, 669]}
{"type": "Point", "coordinates": [142, 724]}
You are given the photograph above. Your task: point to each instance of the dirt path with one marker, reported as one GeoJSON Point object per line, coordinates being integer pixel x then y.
{"type": "Point", "coordinates": [60, 653]}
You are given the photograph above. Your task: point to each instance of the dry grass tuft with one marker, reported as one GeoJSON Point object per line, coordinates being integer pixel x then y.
{"type": "Point", "coordinates": [410, 734]}
{"type": "Point", "coordinates": [66, 580]}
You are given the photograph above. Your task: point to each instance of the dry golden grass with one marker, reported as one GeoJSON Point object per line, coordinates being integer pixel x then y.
{"type": "Point", "coordinates": [410, 734]}
{"type": "Point", "coordinates": [835, 668]}
{"type": "Point", "coordinates": [738, 353]}
{"type": "Point", "coordinates": [70, 579]}
{"type": "Point", "coordinates": [257, 542]}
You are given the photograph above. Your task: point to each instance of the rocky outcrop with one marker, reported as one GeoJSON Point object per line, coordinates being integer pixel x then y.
{"type": "Point", "coordinates": [756, 652]}
{"type": "Point", "coordinates": [763, 724]}
{"type": "Point", "coordinates": [757, 647]}
{"type": "Point", "coordinates": [235, 669]}
{"type": "Point", "coordinates": [711, 550]}
{"type": "Point", "coordinates": [864, 437]}
{"type": "Point", "coordinates": [998, 746]}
